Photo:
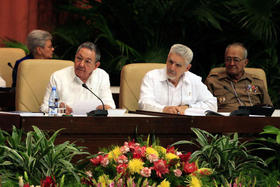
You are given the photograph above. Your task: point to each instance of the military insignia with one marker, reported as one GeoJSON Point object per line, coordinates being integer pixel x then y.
{"type": "Point", "coordinates": [252, 88]}
{"type": "Point", "coordinates": [221, 99]}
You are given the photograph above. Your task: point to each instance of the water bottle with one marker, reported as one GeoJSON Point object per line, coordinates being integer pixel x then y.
{"type": "Point", "coordinates": [53, 102]}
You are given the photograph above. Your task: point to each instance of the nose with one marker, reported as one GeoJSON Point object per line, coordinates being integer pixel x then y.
{"type": "Point", "coordinates": [172, 67]}
{"type": "Point", "coordinates": [232, 62]}
{"type": "Point", "coordinates": [82, 63]}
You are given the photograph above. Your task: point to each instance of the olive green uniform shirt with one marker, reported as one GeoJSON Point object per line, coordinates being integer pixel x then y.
{"type": "Point", "coordinates": [247, 91]}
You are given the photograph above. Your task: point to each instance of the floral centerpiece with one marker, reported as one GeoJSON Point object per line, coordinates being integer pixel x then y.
{"type": "Point", "coordinates": [142, 165]}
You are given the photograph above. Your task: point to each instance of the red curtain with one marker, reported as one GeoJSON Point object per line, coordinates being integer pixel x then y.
{"type": "Point", "coordinates": [17, 18]}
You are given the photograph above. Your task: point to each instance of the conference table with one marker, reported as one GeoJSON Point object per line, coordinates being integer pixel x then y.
{"type": "Point", "coordinates": [100, 132]}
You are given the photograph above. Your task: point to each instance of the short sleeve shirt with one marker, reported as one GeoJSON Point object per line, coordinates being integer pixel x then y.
{"type": "Point", "coordinates": [247, 91]}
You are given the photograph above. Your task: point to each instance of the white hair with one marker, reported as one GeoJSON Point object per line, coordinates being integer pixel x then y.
{"type": "Point", "coordinates": [184, 51]}
{"type": "Point", "coordinates": [37, 38]}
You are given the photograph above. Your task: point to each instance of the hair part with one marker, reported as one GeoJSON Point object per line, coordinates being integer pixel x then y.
{"type": "Point", "coordinates": [37, 38]}
{"type": "Point", "coordinates": [238, 44]}
{"type": "Point", "coordinates": [91, 46]}
{"type": "Point", "coordinates": [184, 51]}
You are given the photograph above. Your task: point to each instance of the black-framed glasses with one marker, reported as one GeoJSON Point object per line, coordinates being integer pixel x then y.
{"type": "Point", "coordinates": [234, 59]}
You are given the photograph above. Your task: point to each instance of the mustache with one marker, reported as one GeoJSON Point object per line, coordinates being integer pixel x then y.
{"type": "Point", "coordinates": [80, 69]}
{"type": "Point", "coordinates": [171, 72]}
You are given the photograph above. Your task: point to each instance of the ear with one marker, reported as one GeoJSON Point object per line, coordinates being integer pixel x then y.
{"type": "Point", "coordinates": [97, 64]}
{"type": "Point", "coordinates": [188, 67]}
{"type": "Point", "coordinates": [38, 51]}
{"type": "Point", "coordinates": [246, 62]}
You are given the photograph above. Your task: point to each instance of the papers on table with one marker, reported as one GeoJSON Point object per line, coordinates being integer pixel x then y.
{"type": "Point", "coordinates": [116, 112]}
{"type": "Point", "coordinates": [276, 113]}
{"type": "Point", "coordinates": [194, 112]}
{"type": "Point", "coordinates": [82, 107]}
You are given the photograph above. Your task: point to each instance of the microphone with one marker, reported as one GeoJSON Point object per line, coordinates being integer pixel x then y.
{"type": "Point", "coordinates": [92, 113]}
{"type": "Point", "coordinates": [10, 65]}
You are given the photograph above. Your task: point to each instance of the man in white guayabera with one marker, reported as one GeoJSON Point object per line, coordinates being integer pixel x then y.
{"type": "Point", "coordinates": [69, 81]}
{"type": "Point", "coordinates": [175, 89]}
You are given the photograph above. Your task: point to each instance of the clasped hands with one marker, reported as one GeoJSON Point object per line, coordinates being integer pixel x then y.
{"type": "Point", "coordinates": [175, 109]}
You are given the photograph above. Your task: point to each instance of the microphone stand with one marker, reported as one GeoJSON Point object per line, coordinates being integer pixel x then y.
{"type": "Point", "coordinates": [92, 113]}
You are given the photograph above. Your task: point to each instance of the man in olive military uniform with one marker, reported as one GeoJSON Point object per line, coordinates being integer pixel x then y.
{"type": "Point", "coordinates": [235, 87]}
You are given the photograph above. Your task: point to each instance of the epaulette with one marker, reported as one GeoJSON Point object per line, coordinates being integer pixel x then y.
{"type": "Point", "coordinates": [255, 76]}
{"type": "Point", "coordinates": [213, 74]}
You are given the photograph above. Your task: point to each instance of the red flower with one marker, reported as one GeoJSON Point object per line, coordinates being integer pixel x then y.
{"type": "Point", "coordinates": [171, 150]}
{"type": "Point", "coordinates": [185, 157]}
{"type": "Point", "coordinates": [26, 185]}
{"type": "Point", "coordinates": [131, 145]}
{"type": "Point", "coordinates": [190, 167]}
{"type": "Point", "coordinates": [122, 159]}
{"type": "Point", "coordinates": [96, 161]}
{"type": "Point", "coordinates": [48, 182]}
{"type": "Point", "coordinates": [121, 168]}
{"type": "Point", "coordinates": [139, 152]}
{"type": "Point", "coordinates": [160, 167]}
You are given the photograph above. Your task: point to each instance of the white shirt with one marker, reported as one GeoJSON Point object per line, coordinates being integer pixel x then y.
{"type": "Point", "coordinates": [2, 82]}
{"type": "Point", "coordinates": [157, 92]}
{"type": "Point", "coordinates": [70, 90]}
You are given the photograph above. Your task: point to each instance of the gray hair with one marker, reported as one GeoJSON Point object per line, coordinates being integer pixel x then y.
{"type": "Point", "coordinates": [37, 38]}
{"type": "Point", "coordinates": [238, 44]}
{"type": "Point", "coordinates": [184, 51]}
{"type": "Point", "coordinates": [91, 46]}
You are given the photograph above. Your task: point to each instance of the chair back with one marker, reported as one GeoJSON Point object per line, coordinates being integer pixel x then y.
{"type": "Point", "coordinates": [32, 79]}
{"type": "Point", "coordinates": [9, 55]}
{"type": "Point", "coordinates": [130, 83]}
{"type": "Point", "coordinates": [255, 71]}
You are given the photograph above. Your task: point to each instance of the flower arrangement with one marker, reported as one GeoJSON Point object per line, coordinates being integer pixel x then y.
{"type": "Point", "coordinates": [142, 165]}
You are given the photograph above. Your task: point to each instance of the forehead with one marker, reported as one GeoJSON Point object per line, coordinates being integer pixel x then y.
{"type": "Point", "coordinates": [48, 42]}
{"type": "Point", "coordinates": [178, 59]}
{"type": "Point", "coordinates": [235, 51]}
{"type": "Point", "coordinates": [86, 53]}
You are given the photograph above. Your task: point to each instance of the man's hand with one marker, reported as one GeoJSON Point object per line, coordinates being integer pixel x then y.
{"type": "Point", "coordinates": [183, 108]}
{"type": "Point", "coordinates": [175, 109]}
{"type": "Point", "coordinates": [68, 109]}
{"type": "Point", "coordinates": [171, 109]}
{"type": "Point", "coordinates": [106, 107]}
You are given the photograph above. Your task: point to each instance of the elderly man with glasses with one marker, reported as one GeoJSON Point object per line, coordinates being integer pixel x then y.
{"type": "Point", "coordinates": [70, 82]}
{"type": "Point", "coordinates": [235, 87]}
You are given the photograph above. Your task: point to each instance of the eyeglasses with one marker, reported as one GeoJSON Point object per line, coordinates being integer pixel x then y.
{"type": "Point", "coordinates": [80, 59]}
{"type": "Point", "coordinates": [235, 59]}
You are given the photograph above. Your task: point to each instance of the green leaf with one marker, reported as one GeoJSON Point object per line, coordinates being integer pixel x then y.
{"type": "Point", "coordinates": [182, 142]}
{"type": "Point", "coordinates": [270, 130]}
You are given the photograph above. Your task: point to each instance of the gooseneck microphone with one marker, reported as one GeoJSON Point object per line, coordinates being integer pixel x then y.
{"type": "Point", "coordinates": [102, 112]}
{"type": "Point", "coordinates": [10, 65]}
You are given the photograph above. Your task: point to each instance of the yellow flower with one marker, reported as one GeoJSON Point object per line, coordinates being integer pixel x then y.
{"type": "Point", "coordinates": [164, 183]}
{"type": "Point", "coordinates": [195, 182]}
{"type": "Point", "coordinates": [135, 165]}
{"type": "Point", "coordinates": [161, 149]}
{"type": "Point", "coordinates": [114, 154]}
{"type": "Point", "coordinates": [150, 151]}
{"type": "Point", "coordinates": [171, 156]}
{"type": "Point", "coordinates": [20, 181]}
{"type": "Point", "coordinates": [104, 180]}
{"type": "Point", "coordinates": [205, 171]}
